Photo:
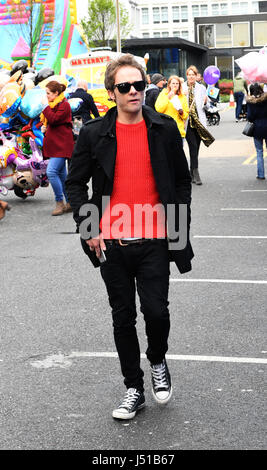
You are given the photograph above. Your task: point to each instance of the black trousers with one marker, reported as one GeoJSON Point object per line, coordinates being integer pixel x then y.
{"type": "Point", "coordinates": [145, 267]}
{"type": "Point", "coordinates": [193, 141]}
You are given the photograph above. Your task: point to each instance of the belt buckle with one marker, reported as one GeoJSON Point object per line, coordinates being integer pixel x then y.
{"type": "Point", "coordinates": [122, 244]}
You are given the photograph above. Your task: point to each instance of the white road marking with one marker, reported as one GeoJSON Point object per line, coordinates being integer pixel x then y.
{"type": "Point", "coordinates": [244, 209]}
{"type": "Point", "coordinates": [232, 236]}
{"type": "Point", "coordinates": [253, 190]}
{"type": "Point", "coordinates": [224, 281]}
{"type": "Point", "coordinates": [59, 360]}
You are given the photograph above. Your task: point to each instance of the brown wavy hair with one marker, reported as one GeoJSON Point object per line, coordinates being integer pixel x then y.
{"type": "Point", "coordinates": [55, 86]}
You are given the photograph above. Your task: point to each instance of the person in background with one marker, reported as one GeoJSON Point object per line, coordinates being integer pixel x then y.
{"type": "Point", "coordinates": [173, 102]}
{"type": "Point", "coordinates": [154, 89]}
{"type": "Point", "coordinates": [58, 141]}
{"type": "Point", "coordinates": [196, 128]}
{"type": "Point", "coordinates": [200, 79]}
{"type": "Point", "coordinates": [88, 106]}
{"type": "Point", "coordinates": [4, 206]}
{"type": "Point", "coordinates": [148, 79]}
{"type": "Point", "coordinates": [240, 90]}
{"type": "Point", "coordinates": [257, 113]}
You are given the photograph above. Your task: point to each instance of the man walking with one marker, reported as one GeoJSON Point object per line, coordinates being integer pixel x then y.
{"type": "Point", "coordinates": [135, 157]}
{"type": "Point", "coordinates": [88, 106]}
{"type": "Point", "coordinates": [156, 85]}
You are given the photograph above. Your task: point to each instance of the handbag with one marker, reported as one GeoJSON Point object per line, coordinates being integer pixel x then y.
{"type": "Point", "coordinates": [249, 129]}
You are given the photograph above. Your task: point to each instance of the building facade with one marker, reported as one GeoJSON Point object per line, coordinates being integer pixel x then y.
{"type": "Point", "coordinates": [168, 18]}
{"type": "Point", "coordinates": [230, 37]}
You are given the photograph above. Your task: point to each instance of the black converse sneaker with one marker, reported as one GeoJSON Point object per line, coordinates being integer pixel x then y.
{"type": "Point", "coordinates": [132, 402]}
{"type": "Point", "coordinates": [161, 382]}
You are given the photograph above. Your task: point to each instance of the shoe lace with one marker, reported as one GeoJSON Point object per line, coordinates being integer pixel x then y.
{"type": "Point", "coordinates": [130, 397]}
{"type": "Point", "coordinates": [159, 376]}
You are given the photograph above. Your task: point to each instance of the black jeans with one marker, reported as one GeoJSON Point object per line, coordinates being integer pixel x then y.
{"type": "Point", "coordinates": [193, 141]}
{"type": "Point", "coordinates": [145, 266]}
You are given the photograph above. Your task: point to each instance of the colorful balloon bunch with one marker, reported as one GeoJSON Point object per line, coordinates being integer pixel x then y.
{"type": "Point", "coordinates": [21, 102]}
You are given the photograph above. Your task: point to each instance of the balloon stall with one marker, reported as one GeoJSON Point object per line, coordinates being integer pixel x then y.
{"type": "Point", "coordinates": [22, 92]}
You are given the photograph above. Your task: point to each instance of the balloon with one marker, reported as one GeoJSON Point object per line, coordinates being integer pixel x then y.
{"type": "Point", "coordinates": [75, 104]}
{"type": "Point", "coordinates": [43, 73]}
{"type": "Point", "coordinates": [19, 65]}
{"type": "Point", "coordinates": [31, 103]}
{"type": "Point", "coordinates": [253, 66]}
{"type": "Point", "coordinates": [211, 75]}
{"type": "Point", "coordinates": [57, 78]}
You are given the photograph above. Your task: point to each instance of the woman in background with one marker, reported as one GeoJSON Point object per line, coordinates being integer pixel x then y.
{"type": "Point", "coordinates": [58, 141]}
{"type": "Point", "coordinates": [196, 128]}
{"type": "Point", "coordinates": [173, 102]}
{"type": "Point", "coordinates": [257, 113]}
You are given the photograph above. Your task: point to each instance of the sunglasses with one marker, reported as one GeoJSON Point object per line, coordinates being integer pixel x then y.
{"type": "Point", "coordinates": [126, 86]}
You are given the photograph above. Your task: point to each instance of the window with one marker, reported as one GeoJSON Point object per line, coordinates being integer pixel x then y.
{"type": "Point", "coordinates": [195, 10]}
{"type": "Point", "coordinates": [156, 15]}
{"type": "Point", "coordinates": [241, 34]}
{"type": "Point", "coordinates": [203, 10]}
{"type": "Point", "coordinates": [145, 35]}
{"type": "Point", "coordinates": [223, 35]}
{"type": "Point", "coordinates": [235, 8]}
{"type": "Point", "coordinates": [175, 15]}
{"type": "Point", "coordinates": [224, 9]}
{"type": "Point", "coordinates": [164, 15]}
{"type": "Point", "coordinates": [145, 16]}
{"type": "Point", "coordinates": [184, 14]}
{"type": "Point", "coordinates": [176, 34]}
{"type": "Point", "coordinates": [206, 35]}
{"type": "Point", "coordinates": [255, 7]}
{"type": "Point", "coordinates": [156, 35]}
{"type": "Point", "coordinates": [260, 33]}
{"type": "Point", "coordinates": [225, 64]}
{"type": "Point", "coordinates": [184, 34]}
{"type": "Point", "coordinates": [215, 9]}
{"type": "Point", "coordinates": [165, 34]}
{"type": "Point", "coordinates": [243, 7]}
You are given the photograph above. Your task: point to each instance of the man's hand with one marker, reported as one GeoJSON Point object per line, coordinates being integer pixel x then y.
{"type": "Point", "coordinates": [95, 244]}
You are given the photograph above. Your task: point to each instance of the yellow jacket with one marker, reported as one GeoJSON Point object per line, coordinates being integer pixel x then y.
{"type": "Point", "coordinates": [165, 106]}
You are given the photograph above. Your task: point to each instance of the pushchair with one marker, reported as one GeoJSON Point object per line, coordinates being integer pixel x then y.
{"type": "Point", "coordinates": [212, 113]}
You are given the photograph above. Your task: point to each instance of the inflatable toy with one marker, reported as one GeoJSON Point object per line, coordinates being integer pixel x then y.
{"type": "Point", "coordinates": [211, 75]}
{"type": "Point", "coordinates": [16, 170]}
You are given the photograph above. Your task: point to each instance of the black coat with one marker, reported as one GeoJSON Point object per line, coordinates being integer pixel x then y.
{"type": "Point", "coordinates": [87, 107]}
{"type": "Point", "coordinates": [257, 113]}
{"type": "Point", "coordinates": [94, 157]}
{"type": "Point", "coordinates": [151, 96]}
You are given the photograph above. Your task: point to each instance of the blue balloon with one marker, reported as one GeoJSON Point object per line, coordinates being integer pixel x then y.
{"type": "Point", "coordinates": [75, 104]}
{"type": "Point", "coordinates": [31, 103]}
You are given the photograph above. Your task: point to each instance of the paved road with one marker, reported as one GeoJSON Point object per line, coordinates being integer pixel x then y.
{"type": "Point", "coordinates": [60, 378]}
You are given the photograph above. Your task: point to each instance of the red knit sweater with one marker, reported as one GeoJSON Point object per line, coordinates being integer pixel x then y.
{"type": "Point", "coordinates": [134, 184]}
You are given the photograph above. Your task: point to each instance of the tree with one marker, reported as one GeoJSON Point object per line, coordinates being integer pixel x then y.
{"type": "Point", "coordinates": [100, 26]}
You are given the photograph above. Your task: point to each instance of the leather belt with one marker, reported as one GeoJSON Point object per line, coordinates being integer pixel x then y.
{"type": "Point", "coordinates": [122, 242]}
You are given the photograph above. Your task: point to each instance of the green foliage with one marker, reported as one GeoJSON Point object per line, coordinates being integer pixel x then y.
{"type": "Point", "coordinates": [100, 25]}
{"type": "Point", "coordinates": [224, 98]}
